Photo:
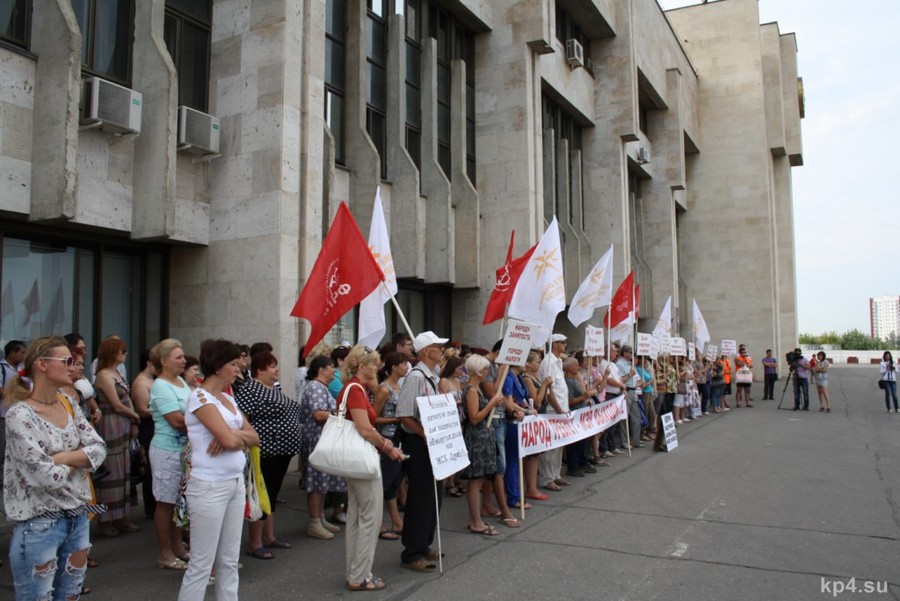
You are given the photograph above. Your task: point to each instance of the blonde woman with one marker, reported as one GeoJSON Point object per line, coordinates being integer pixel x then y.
{"type": "Point", "coordinates": [364, 497]}
{"type": "Point", "coordinates": [47, 493]}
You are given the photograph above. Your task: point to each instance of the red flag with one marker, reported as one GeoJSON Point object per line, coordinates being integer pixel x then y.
{"type": "Point", "coordinates": [507, 278]}
{"type": "Point", "coordinates": [344, 273]}
{"type": "Point", "coordinates": [622, 303]}
{"type": "Point", "coordinates": [32, 303]}
{"type": "Point", "coordinates": [637, 302]}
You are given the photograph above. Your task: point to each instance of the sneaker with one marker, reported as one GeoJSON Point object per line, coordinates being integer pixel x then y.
{"type": "Point", "coordinates": [340, 518]}
{"type": "Point", "coordinates": [315, 529]}
{"type": "Point", "coordinates": [575, 474]}
{"type": "Point", "coordinates": [706, 413]}
{"type": "Point", "coordinates": [687, 419]}
{"type": "Point", "coordinates": [328, 525]}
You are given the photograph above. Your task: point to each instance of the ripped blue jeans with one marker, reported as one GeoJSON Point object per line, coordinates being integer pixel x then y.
{"type": "Point", "coordinates": [39, 555]}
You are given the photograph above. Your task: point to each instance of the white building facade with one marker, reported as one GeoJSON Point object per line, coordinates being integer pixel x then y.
{"type": "Point", "coordinates": [884, 317]}
{"type": "Point", "coordinates": [671, 135]}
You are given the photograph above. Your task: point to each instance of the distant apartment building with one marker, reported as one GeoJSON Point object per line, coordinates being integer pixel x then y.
{"type": "Point", "coordinates": [884, 317]}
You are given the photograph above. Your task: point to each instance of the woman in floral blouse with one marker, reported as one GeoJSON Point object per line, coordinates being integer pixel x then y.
{"type": "Point", "coordinates": [46, 487]}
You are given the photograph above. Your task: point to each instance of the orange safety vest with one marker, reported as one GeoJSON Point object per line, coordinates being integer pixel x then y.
{"type": "Point", "coordinates": [726, 367]}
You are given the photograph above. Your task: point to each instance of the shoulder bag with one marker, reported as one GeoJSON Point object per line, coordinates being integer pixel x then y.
{"type": "Point", "coordinates": [341, 451]}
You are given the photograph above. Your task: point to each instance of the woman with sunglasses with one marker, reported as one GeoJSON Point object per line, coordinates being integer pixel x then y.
{"type": "Point", "coordinates": [46, 488]}
{"type": "Point", "coordinates": [118, 426]}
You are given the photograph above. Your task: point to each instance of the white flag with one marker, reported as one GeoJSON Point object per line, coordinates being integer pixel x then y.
{"type": "Point", "coordinates": [595, 291]}
{"type": "Point", "coordinates": [701, 332]}
{"type": "Point", "coordinates": [371, 310]}
{"type": "Point", "coordinates": [664, 325]}
{"type": "Point", "coordinates": [541, 291]}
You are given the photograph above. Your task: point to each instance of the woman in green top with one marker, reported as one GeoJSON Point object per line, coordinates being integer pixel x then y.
{"type": "Point", "coordinates": [168, 398]}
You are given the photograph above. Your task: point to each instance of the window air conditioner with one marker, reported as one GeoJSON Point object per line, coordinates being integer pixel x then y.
{"type": "Point", "coordinates": [574, 53]}
{"type": "Point", "coordinates": [110, 106]}
{"type": "Point", "coordinates": [198, 132]}
{"type": "Point", "coordinates": [643, 155]}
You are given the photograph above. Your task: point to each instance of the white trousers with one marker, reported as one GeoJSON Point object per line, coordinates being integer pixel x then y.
{"type": "Point", "coordinates": [550, 465]}
{"type": "Point", "coordinates": [216, 510]}
{"type": "Point", "coordinates": [365, 499]}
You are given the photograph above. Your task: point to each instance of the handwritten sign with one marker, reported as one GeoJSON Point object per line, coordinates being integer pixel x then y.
{"type": "Point", "coordinates": [517, 343]}
{"type": "Point", "coordinates": [593, 342]}
{"type": "Point", "coordinates": [677, 347]}
{"type": "Point", "coordinates": [665, 344]}
{"type": "Point", "coordinates": [692, 352]}
{"type": "Point", "coordinates": [729, 347]}
{"type": "Point", "coordinates": [443, 434]}
{"type": "Point", "coordinates": [712, 352]}
{"type": "Point", "coordinates": [654, 347]}
{"type": "Point", "coordinates": [671, 436]}
{"type": "Point", "coordinates": [539, 433]}
{"type": "Point", "coordinates": [644, 344]}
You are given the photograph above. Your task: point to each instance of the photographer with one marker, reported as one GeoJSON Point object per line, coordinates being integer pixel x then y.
{"type": "Point", "coordinates": [799, 366]}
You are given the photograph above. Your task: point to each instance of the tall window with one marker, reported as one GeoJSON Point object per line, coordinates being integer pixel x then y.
{"type": "Point", "coordinates": [466, 46]}
{"type": "Point", "coordinates": [567, 28]}
{"type": "Point", "coordinates": [15, 21]}
{"type": "Point", "coordinates": [335, 51]}
{"type": "Point", "coordinates": [106, 32]}
{"type": "Point", "coordinates": [187, 33]}
{"type": "Point", "coordinates": [376, 77]}
{"type": "Point", "coordinates": [412, 17]}
{"type": "Point", "coordinates": [561, 126]}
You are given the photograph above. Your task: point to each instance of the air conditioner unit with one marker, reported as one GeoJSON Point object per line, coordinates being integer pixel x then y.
{"type": "Point", "coordinates": [110, 106]}
{"type": "Point", "coordinates": [197, 132]}
{"type": "Point", "coordinates": [643, 155]}
{"type": "Point", "coordinates": [574, 53]}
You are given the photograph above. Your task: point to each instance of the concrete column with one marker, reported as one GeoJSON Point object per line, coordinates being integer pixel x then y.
{"type": "Point", "coordinates": [466, 215]}
{"type": "Point", "coordinates": [435, 185]}
{"type": "Point", "coordinates": [154, 75]}
{"type": "Point", "coordinates": [406, 213]}
{"type": "Point", "coordinates": [57, 89]}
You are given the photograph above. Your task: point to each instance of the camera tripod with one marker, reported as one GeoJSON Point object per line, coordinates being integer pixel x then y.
{"type": "Point", "coordinates": [784, 390]}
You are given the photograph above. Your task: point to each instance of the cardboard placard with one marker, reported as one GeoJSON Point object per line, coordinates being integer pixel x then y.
{"type": "Point", "coordinates": [665, 344]}
{"type": "Point", "coordinates": [677, 347]}
{"type": "Point", "coordinates": [517, 343]}
{"type": "Point", "coordinates": [692, 352]}
{"type": "Point", "coordinates": [667, 433]}
{"type": "Point", "coordinates": [443, 434]}
{"type": "Point", "coordinates": [593, 342]}
{"type": "Point", "coordinates": [729, 347]}
{"type": "Point", "coordinates": [654, 347]}
{"type": "Point", "coordinates": [712, 352]}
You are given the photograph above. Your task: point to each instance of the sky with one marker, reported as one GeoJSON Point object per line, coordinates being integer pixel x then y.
{"type": "Point", "coordinates": [846, 213]}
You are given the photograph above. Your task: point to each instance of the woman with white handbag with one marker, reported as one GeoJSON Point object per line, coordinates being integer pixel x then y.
{"type": "Point", "coordinates": [365, 496]}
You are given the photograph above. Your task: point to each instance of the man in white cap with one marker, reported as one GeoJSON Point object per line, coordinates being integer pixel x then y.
{"type": "Point", "coordinates": [551, 461]}
{"type": "Point", "coordinates": [420, 519]}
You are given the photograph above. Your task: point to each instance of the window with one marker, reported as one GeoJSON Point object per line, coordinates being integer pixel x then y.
{"type": "Point", "coordinates": [106, 32]}
{"type": "Point", "coordinates": [413, 82]}
{"type": "Point", "coordinates": [15, 21]}
{"type": "Point", "coordinates": [567, 28]}
{"type": "Point", "coordinates": [376, 76]}
{"type": "Point", "coordinates": [335, 50]}
{"type": "Point", "coordinates": [561, 126]}
{"type": "Point", "coordinates": [187, 34]}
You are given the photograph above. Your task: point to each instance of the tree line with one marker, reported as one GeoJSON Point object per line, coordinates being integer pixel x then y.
{"type": "Point", "coordinates": [851, 340]}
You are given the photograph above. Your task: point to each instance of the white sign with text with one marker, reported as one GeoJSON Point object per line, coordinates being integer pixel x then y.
{"type": "Point", "coordinates": [593, 342]}
{"type": "Point", "coordinates": [517, 343]}
{"type": "Point", "coordinates": [443, 434]}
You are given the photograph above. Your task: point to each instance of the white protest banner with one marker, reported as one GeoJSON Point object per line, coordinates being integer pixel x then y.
{"type": "Point", "coordinates": [677, 347]}
{"type": "Point", "coordinates": [593, 342]}
{"type": "Point", "coordinates": [692, 352]}
{"type": "Point", "coordinates": [517, 343]}
{"type": "Point", "coordinates": [665, 344]}
{"type": "Point", "coordinates": [443, 434]}
{"type": "Point", "coordinates": [729, 347]}
{"type": "Point", "coordinates": [654, 347]}
{"type": "Point", "coordinates": [644, 344]}
{"type": "Point", "coordinates": [539, 433]}
{"type": "Point", "coordinates": [712, 352]}
{"type": "Point", "coordinates": [669, 432]}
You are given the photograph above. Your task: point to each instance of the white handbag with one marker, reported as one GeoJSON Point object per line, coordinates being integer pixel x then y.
{"type": "Point", "coordinates": [341, 451]}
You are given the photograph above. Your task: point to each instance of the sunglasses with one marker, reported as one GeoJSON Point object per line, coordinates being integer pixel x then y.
{"type": "Point", "coordinates": [69, 361]}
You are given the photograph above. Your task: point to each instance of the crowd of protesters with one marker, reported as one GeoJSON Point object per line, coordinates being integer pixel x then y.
{"type": "Point", "coordinates": [188, 434]}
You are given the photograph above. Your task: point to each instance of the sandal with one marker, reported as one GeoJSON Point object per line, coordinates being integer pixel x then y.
{"type": "Point", "coordinates": [388, 535]}
{"type": "Point", "coordinates": [552, 486]}
{"type": "Point", "coordinates": [277, 543]}
{"type": "Point", "coordinates": [372, 584]}
{"type": "Point", "coordinates": [511, 523]}
{"type": "Point", "coordinates": [260, 553]}
{"type": "Point", "coordinates": [175, 564]}
{"type": "Point", "coordinates": [92, 563]}
{"type": "Point", "coordinates": [420, 565]}
{"type": "Point", "coordinates": [488, 530]}
{"type": "Point", "coordinates": [453, 491]}
{"type": "Point", "coordinates": [538, 496]}
{"type": "Point", "coordinates": [85, 590]}
{"type": "Point", "coordinates": [519, 505]}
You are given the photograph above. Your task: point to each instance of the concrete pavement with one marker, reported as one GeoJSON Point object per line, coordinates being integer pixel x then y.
{"type": "Point", "coordinates": [754, 504]}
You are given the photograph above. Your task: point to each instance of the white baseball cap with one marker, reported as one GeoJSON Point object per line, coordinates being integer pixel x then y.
{"type": "Point", "coordinates": [427, 339]}
{"type": "Point", "coordinates": [558, 338]}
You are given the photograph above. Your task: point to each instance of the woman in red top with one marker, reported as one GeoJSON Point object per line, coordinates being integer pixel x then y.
{"type": "Point", "coordinates": [365, 497]}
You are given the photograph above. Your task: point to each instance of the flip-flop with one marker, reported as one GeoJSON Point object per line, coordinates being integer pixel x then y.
{"type": "Point", "coordinates": [487, 531]}
{"type": "Point", "coordinates": [388, 535]}
{"type": "Point", "coordinates": [372, 584]}
{"type": "Point", "coordinates": [278, 544]}
{"type": "Point", "coordinates": [260, 553]}
{"type": "Point", "coordinates": [175, 564]}
{"type": "Point", "coordinates": [538, 497]}
{"type": "Point", "coordinates": [511, 523]}
{"type": "Point", "coordinates": [491, 515]}
{"type": "Point", "coordinates": [519, 505]}
{"type": "Point", "coordinates": [552, 486]}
